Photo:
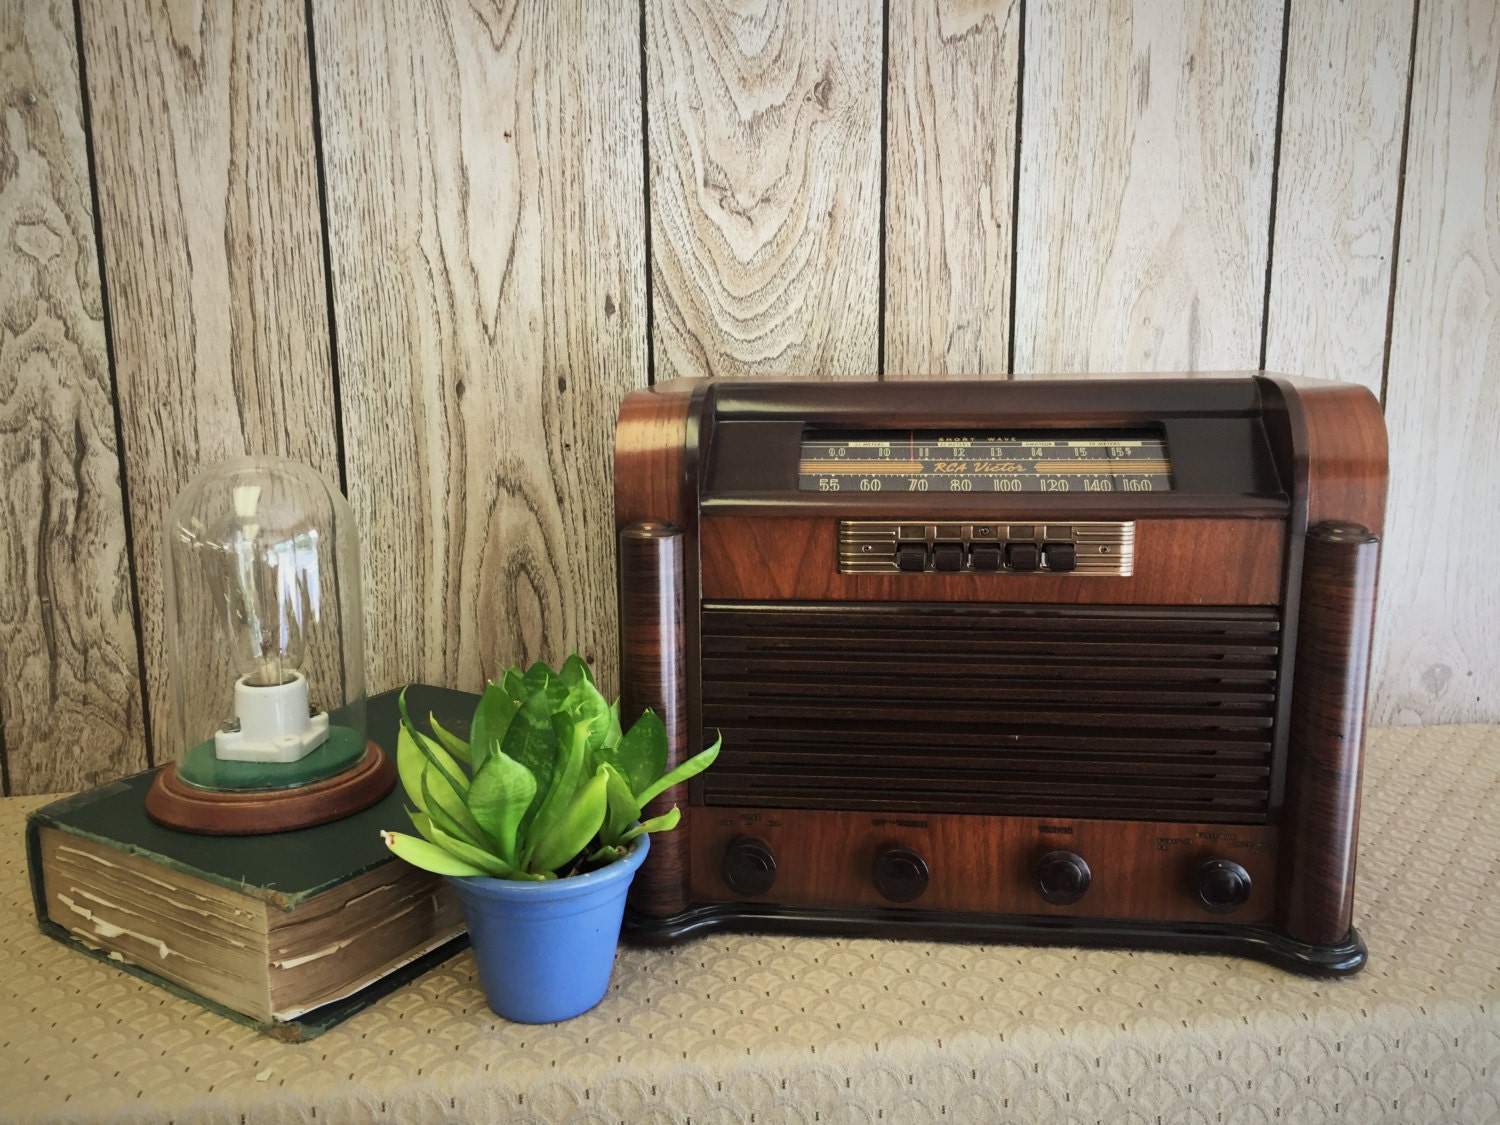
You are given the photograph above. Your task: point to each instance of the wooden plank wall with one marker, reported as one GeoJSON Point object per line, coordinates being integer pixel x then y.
{"type": "Point", "coordinates": [429, 249]}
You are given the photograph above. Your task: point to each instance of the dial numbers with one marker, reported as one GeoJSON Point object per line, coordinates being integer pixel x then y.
{"type": "Point", "coordinates": [1027, 461]}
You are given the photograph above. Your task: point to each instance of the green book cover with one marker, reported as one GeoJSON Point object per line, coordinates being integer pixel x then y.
{"type": "Point", "coordinates": [284, 868]}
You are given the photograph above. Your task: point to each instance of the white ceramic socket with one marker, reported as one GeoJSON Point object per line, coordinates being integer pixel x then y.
{"type": "Point", "coordinates": [274, 724]}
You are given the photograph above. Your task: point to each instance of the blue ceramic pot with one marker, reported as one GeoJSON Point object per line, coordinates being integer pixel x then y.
{"type": "Point", "coordinates": [545, 951]}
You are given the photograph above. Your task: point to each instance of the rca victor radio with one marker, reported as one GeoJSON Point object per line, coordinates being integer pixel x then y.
{"type": "Point", "coordinates": [1072, 660]}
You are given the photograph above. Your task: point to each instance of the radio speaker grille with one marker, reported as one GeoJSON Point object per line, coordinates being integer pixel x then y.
{"type": "Point", "coordinates": [1141, 713]}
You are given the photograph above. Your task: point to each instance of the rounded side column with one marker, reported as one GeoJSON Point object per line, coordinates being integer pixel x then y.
{"type": "Point", "coordinates": [653, 674]}
{"type": "Point", "coordinates": [1320, 821]}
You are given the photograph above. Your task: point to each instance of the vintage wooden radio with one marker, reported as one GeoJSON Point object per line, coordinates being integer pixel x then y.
{"type": "Point", "coordinates": [1071, 660]}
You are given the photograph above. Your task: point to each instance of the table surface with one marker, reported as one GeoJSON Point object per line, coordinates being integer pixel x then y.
{"type": "Point", "coordinates": [822, 1029]}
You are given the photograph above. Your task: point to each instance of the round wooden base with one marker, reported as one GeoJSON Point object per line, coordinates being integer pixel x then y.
{"type": "Point", "coordinates": [175, 804]}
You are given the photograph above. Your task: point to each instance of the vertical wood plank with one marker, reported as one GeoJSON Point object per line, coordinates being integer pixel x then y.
{"type": "Point", "coordinates": [70, 684]}
{"type": "Point", "coordinates": [950, 168]}
{"type": "Point", "coordinates": [208, 201]}
{"type": "Point", "coordinates": [1146, 149]}
{"type": "Point", "coordinates": [765, 186]}
{"type": "Point", "coordinates": [487, 228]}
{"type": "Point", "coordinates": [1342, 119]}
{"type": "Point", "coordinates": [1437, 644]}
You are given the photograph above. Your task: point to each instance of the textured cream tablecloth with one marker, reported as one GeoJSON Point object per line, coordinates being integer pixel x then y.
{"type": "Point", "coordinates": [804, 1029]}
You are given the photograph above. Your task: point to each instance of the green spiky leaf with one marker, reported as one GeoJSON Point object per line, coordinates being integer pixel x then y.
{"type": "Point", "coordinates": [449, 741]}
{"type": "Point", "coordinates": [487, 862]}
{"type": "Point", "coordinates": [577, 825]}
{"type": "Point", "coordinates": [572, 750]}
{"type": "Point", "coordinates": [690, 768]}
{"type": "Point", "coordinates": [575, 670]}
{"type": "Point", "coordinates": [622, 807]}
{"type": "Point", "coordinates": [642, 752]}
{"type": "Point", "coordinates": [664, 823]}
{"type": "Point", "coordinates": [532, 741]}
{"type": "Point", "coordinates": [428, 856]}
{"type": "Point", "coordinates": [492, 718]}
{"type": "Point", "coordinates": [501, 793]}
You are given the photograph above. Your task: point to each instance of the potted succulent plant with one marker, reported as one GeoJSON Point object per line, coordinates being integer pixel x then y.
{"type": "Point", "coordinates": [535, 820]}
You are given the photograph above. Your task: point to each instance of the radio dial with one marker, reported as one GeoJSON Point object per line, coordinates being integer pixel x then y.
{"type": "Point", "coordinates": [749, 867]}
{"type": "Point", "coordinates": [1062, 877]}
{"type": "Point", "coordinates": [900, 874]}
{"type": "Point", "coordinates": [1221, 885]}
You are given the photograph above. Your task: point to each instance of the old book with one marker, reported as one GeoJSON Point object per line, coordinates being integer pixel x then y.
{"type": "Point", "coordinates": [292, 931]}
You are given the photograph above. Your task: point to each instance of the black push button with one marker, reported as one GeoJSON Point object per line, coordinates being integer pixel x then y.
{"type": "Point", "coordinates": [948, 556]}
{"type": "Point", "coordinates": [985, 556]}
{"type": "Point", "coordinates": [1060, 556]}
{"type": "Point", "coordinates": [912, 556]}
{"type": "Point", "coordinates": [1021, 556]}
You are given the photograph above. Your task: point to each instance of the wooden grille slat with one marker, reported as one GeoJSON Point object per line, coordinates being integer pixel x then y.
{"type": "Point", "coordinates": [1230, 764]}
{"type": "Point", "coordinates": [976, 689]}
{"type": "Point", "coordinates": [1143, 670]}
{"type": "Point", "coordinates": [769, 730]}
{"type": "Point", "coordinates": [837, 646]}
{"type": "Point", "coordinates": [1120, 712]}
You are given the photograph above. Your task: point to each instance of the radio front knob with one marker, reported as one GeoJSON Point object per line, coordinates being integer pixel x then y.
{"type": "Point", "coordinates": [1062, 877]}
{"type": "Point", "coordinates": [900, 874]}
{"type": "Point", "coordinates": [1221, 885]}
{"type": "Point", "coordinates": [749, 867]}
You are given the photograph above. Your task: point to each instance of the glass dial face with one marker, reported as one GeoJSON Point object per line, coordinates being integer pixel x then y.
{"type": "Point", "coordinates": [1017, 461]}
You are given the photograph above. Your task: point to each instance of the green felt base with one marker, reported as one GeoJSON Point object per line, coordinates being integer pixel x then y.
{"type": "Point", "coordinates": [203, 769]}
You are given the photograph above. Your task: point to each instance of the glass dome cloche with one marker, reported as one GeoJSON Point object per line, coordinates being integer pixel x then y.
{"type": "Point", "coordinates": [265, 655]}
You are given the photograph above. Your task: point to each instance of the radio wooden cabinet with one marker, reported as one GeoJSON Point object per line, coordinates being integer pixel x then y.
{"type": "Point", "coordinates": [1062, 660]}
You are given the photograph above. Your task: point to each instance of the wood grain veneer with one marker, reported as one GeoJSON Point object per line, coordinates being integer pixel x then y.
{"type": "Point", "coordinates": [207, 178]}
{"type": "Point", "coordinates": [763, 140]}
{"type": "Point", "coordinates": [1140, 869]}
{"type": "Point", "coordinates": [1346, 452]}
{"type": "Point", "coordinates": [1438, 649]}
{"type": "Point", "coordinates": [651, 455]}
{"type": "Point", "coordinates": [653, 662]}
{"type": "Point", "coordinates": [1140, 217]}
{"type": "Point", "coordinates": [70, 677]}
{"type": "Point", "coordinates": [487, 249]}
{"type": "Point", "coordinates": [1338, 174]}
{"type": "Point", "coordinates": [1177, 562]}
{"type": "Point", "coordinates": [1321, 818]}
{"type": "Point", "coordinates": [655, 516]}
{"type": "Point", "coordinates": [1146, 165]}
{"type": "Point", "coordinates": [951, 97]}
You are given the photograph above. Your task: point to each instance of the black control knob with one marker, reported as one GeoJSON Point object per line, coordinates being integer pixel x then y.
{"type": "Point", "coordinates": [1221, 885]}
{"type": "Point", "coordinates": [1061, 877]}
{"type": "Point", "coordinates": [900, 874]}
{"type": "Point", "coordinates": [749, 866]}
